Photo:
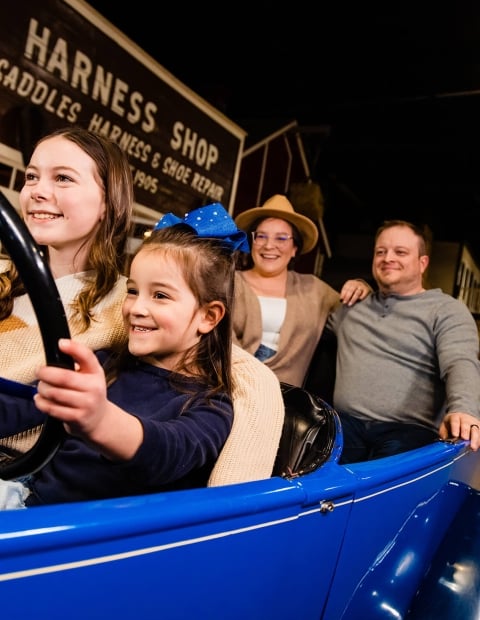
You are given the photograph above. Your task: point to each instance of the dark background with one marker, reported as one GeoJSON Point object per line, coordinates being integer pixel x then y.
{"type": "Point", "coordinates": [387, 96]}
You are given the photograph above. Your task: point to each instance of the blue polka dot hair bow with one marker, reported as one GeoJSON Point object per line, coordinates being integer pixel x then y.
{"type": "Point", "coordinates": [210, 221]}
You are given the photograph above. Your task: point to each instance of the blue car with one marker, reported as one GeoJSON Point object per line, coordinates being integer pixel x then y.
{"type": "Point", "coordinates": [394, 538]}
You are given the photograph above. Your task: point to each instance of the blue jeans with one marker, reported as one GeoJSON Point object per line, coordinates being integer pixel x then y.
{"type": "Point", "coordinates": [13, 494]}
{"type": "Point", "coordinates": [364, 440]}
{"type": "Point", "coordinates": [263, 353]}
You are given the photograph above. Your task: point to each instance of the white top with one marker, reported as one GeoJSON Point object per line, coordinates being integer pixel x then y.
{"type": "Point", "coordinates": [273, 315]}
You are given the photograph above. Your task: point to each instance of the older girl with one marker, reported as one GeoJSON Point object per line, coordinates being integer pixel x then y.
{"type": "Point", "coordinates": [77, 203]}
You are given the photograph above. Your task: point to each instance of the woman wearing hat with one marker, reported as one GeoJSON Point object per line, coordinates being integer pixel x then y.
{"type": "Point", "coordinates": [279, 314]}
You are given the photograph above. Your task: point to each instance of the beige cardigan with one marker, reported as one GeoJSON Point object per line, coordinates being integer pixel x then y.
{"type": "Point", "coordinates": [309, 302]}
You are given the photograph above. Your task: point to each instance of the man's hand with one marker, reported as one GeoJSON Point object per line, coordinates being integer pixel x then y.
{"type": "Point", "coordinates": [461, 426]}
{"type": "Point", "coordinates": [353, 291]}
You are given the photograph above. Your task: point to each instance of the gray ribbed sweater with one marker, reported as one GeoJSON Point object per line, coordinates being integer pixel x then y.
{"type": "Point", "coordinates": [407, 358]}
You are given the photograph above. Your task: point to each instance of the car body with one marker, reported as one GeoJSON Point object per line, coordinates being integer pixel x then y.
{"type": "Point", "coordinates": [340, 542]}
{"type": "Point", "coordinates": [397, 537]}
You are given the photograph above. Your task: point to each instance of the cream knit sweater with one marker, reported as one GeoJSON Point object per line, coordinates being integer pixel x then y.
{"type": "Point", "coordinates": [250, 450]}
{"type": "Point", "coordinates": [21, 346]}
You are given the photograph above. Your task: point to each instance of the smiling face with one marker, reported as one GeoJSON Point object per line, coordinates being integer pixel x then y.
{"type": "Point", "coordinates": [398, 265]}
{"type": "Point", "coordinates": [160, 312]}
{"type": "Point", "coordinates": [63, 200]}
{"type": "Point", "coordinates": [270, 257]}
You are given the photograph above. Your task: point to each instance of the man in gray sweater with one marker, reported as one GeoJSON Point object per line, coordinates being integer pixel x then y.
{"type": "Point", "coordinates": [408, 367]}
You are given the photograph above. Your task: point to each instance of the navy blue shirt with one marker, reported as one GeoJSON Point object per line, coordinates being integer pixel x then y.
{"type": "Point", "coordinates": [179, 448]}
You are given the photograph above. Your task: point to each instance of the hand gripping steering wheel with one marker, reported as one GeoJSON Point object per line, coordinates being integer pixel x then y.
{"type": "Point", "coordinates": [37, 278]}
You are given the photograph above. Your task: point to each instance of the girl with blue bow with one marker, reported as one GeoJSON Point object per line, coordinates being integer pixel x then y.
{"type": "Point", "coordinates": [155, 414]}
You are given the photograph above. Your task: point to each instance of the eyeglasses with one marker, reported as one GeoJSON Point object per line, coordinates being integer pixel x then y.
{"type": "Point", "coordinates": [280, 241]}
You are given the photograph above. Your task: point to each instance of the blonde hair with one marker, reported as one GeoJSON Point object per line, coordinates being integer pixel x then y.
{"type": "Point", "coordinates": [424, 243]}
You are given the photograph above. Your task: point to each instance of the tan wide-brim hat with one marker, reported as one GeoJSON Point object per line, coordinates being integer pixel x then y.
{"type": "Point", "coordinates": [279, 206]}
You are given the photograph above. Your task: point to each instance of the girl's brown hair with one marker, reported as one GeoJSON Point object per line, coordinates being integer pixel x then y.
{"type": "Point", "coordinates": [208, 267]}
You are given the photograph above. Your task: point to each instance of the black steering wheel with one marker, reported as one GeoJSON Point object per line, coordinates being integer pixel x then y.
{"type": "Point", "coordinates": [37, 278]}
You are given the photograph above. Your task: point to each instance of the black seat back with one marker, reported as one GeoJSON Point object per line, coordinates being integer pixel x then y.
{"type": "Point", "coordinates": [308, 434]}
{"type": "Point", "coordinates": [320, 377]}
